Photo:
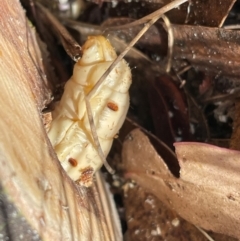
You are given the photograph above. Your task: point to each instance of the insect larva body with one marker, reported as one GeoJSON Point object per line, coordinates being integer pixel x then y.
{"type": "Point", "coordinates": [70, 132]}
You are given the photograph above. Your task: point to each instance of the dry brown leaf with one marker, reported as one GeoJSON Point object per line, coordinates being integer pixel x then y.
{"type": "Point", "coordinates": [169, 111]}
{"type": "Point", "coordinates": [211, 203]}
{"type": "Point", "coordinates": [213, 50]}
{"type": "Point", "coordinates": [210, 166]}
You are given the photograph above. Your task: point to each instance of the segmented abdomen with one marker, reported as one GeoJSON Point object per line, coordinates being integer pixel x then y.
{"type": "Point", "coordinates": [70, 131]}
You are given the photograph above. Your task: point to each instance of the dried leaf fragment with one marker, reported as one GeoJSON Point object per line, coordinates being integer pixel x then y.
{"type": "Point", "coordinates": [205, 205]}
{"type": "Point", "coordinates": [210, 166]}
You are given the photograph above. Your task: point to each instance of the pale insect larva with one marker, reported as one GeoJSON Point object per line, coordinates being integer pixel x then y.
{"type": "Point", "coordinates": [70, 132]}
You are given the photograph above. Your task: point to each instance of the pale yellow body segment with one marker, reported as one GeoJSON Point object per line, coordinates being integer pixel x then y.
{"type": "Point", "coordinates": [70, 132]}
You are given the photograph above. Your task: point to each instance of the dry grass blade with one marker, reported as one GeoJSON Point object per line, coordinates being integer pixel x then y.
{"type": "Point", "coordinates": [205, 234]}
{"type": "Point", "coordinates": [170, 42]}
{"type": "Point", "coordinates": [101, 80]}
{"type": "Point", "coordinates": [95, 136]}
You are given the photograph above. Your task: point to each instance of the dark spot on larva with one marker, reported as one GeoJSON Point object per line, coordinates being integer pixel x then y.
{"type": "Point", "coordinates": [86, 178]}
{"type": "Point", "coordinates": [112, 106]}
{"type": "Point", "coordinates": [73, 161]}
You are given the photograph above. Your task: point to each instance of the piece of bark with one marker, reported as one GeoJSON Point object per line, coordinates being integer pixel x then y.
{"type": "Point", "coordinates": [30, 173]}
{"type": "Point", "coordinates": [210, 201]}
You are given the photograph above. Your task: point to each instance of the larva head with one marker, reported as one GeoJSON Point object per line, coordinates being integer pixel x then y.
{"type": "Point", "coordinates": [97, 49]}
{"type": "Point", "coordinates": [98, 55]}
